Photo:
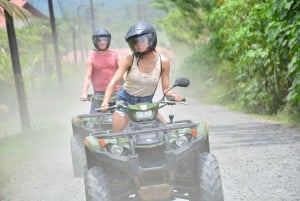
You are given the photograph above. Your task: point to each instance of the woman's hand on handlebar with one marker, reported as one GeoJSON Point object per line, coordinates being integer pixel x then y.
{"type": "Point", "coordinates": [104, 107]}
{"type": "Point", "coordinates": [175, 97]}
{"type": "Point", "coordinates": [172, 100]}
{"type": "Point", "coordinates": [178, 98]}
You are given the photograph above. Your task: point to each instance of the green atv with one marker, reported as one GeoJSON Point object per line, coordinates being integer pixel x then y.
{"type": "Point", "coordinates": [151, 160]}
{"type": "Point", "coordinates": [84, 124]}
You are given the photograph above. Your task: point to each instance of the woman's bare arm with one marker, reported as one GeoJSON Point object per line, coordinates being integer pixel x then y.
{"type": "Point", "coordinates": [124, 64]}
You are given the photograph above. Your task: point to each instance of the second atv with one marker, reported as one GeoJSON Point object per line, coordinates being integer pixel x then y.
{"type": "Point", "coordinates": [84, 124]}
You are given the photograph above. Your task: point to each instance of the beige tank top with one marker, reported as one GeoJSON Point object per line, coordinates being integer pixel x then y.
{"type": "Point", "coordinates": [142, 84]}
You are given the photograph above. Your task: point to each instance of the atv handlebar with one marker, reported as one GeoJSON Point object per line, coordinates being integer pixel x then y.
{"type": "Point", "coordinates": [88, 98]}
{"type": "Point", "coordinates": [170, 100]}
{"type": "Point", "coordinates": [106, 108]}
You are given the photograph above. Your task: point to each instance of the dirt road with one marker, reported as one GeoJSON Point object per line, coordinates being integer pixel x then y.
{"type": "Point", "coordinates": [259, 160]}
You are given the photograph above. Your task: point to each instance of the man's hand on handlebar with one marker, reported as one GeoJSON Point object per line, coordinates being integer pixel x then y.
{"type": "Point", "coordinates": [84, 98]}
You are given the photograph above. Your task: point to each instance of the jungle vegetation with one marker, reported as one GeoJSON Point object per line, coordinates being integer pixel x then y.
{"type": "Point", "coordinates": [246, 52]}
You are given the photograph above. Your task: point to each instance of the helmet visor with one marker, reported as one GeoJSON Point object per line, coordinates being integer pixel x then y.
{"type": "Point", "coordinates": [140, 43]}
{"type": "Point", "coordinates": [102, 39]}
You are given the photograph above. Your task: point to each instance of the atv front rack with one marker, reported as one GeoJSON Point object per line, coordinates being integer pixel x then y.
{"type": "Point", "coordinates": [172, 126]}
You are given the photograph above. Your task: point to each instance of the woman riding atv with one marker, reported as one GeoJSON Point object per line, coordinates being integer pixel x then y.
{"type": "Point", "coordinates": [144, 68]}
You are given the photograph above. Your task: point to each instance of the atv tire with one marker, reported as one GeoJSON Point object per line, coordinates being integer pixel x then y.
{"type": "Point", "coordinates": [78, 155]}
{"type": "Point", "coordinates": [96, 185]}
{"type": "Point", "coordinates": [209, 178]}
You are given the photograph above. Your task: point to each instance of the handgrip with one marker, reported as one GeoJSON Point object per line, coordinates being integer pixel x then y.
{"type": "Point", "coordinates": [171, 98]}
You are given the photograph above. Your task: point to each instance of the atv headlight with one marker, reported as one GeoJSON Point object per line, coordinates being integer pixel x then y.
{"type": "Point", "coordinates": [116, 149]}
{"type": "Point", "coordinates": [182, 141]}
{"type": "Point", "coordinates": [89, 124]}
{"type": "Point", "coordinates": [143, 114]}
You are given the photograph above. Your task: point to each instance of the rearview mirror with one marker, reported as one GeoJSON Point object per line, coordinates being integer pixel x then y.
{"type": "Point", "coordinates": [181, 82]}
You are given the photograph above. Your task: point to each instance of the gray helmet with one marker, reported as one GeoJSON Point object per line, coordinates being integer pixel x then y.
{"type": "Point", "coordinates": [101, 33]}
{"type": "Point", "coordinates": [137, 32]}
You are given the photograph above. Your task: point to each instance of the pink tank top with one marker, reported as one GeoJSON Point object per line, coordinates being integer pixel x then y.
{"type": "Point", "coordinates": [104, 67]}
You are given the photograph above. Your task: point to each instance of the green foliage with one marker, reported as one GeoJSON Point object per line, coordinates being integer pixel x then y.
{"type": "Point", "coordinates": [257, 44]}
{"type": "Point", "coordinates": [31, 40]}
{"type": "Point", "coordinates": [184, 21]}
{"type": "Point", "coordinates": [200, 66]}
{"type": "Point", "coordinates": [6, 77]}
{"type": "Point", "coordinates": [5, 70]}
{"type": "Point", "coordinates": [262, 39]}
{"type": "Point", "coordinates": [284, 39]}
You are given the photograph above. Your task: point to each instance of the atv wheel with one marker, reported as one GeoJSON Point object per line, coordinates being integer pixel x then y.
{"type": "Point", "coordinates": [209, 178]}
{"type": "Point", "coordinates": [78, 155]}
{"type": "Point", "coordinates": [96, 185]}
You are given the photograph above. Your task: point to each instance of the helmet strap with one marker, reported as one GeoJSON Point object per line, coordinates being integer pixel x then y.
{"type": "Point", "coordinates": [140, 55]}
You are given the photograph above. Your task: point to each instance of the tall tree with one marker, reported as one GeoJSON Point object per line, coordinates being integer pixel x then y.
{"type": "Point", "coordinates": [10, 10]}
{"type": "Point", "coordinates": [55, 43]}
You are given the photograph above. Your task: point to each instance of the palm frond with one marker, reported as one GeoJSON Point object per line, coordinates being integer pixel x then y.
{"type": "Point", "coordinates": [15, 11]}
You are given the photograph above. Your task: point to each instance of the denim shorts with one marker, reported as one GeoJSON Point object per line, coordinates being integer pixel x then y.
{"type": "Point", "coordinates": [124, 99]}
